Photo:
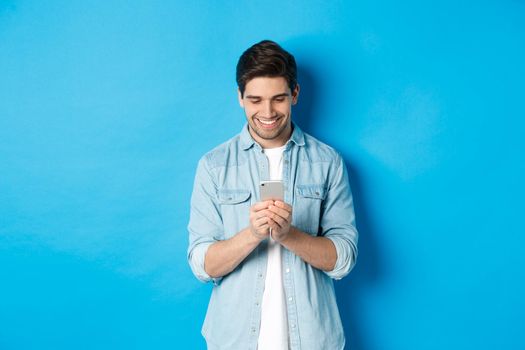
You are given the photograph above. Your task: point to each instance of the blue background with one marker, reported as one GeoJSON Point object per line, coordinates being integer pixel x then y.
{"type": "Point", "coordinates": [106, 106]}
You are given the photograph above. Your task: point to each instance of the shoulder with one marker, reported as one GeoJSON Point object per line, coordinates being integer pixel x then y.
{"type": "Point", "coordinates": [222, 154]}
{"type": "Point", "coordinates": [318, 151]}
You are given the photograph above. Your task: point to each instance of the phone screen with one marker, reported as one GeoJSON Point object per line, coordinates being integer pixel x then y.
{"type": "Point", "coordinates": [272, 190]}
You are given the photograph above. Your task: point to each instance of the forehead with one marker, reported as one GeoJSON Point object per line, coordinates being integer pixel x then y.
{"type": "Point", "coordinates": [266, 86]}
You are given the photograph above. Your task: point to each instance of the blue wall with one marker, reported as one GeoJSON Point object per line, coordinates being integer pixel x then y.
{"type": "Point", "coordinates": [106, 106]}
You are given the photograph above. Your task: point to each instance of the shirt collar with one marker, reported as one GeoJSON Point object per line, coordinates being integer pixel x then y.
{"type": "Point", "coordinates": [247, 141]}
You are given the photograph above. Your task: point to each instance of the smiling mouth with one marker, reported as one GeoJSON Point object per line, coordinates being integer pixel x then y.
{"type": "Point", "coordinates": [268, 124]}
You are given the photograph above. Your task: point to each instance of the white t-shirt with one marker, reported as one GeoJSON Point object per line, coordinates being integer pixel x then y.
{"type": "Point", "coordinates": [273, 334]}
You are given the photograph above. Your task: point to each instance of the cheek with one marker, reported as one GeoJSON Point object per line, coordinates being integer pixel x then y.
{"type": "Point", "coordinates": [284, 110]}
{"type": "Point", "coordinates": [249, 111]}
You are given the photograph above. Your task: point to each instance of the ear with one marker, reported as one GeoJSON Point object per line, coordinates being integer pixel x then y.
{"type": "Point", "coordinates": [239, 96]}
{"type": "Point", "coordinates": [295, 94]}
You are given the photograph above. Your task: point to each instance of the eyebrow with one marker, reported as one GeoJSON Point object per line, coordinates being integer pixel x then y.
{"type": "Point", "coordinates": [252, 97]}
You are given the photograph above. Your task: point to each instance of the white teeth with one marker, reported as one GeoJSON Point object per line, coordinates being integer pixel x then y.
{"type": "Point", "coordinates": [267, 122]}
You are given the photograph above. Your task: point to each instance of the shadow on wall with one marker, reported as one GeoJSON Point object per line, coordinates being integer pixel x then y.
{"type": "Point", "coordinates": [303, 111]}
{"type": "Point", "coordinates": [367, 272]}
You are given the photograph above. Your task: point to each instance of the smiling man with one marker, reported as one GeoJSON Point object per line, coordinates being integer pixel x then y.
{"type": "Point", "coordinates": [271, 262]}
{"type": "Point", "coordinates": [267, 103]}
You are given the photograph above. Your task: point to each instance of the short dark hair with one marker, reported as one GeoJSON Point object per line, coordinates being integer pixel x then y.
{"type": "Point", "coordinates": [266, 59]}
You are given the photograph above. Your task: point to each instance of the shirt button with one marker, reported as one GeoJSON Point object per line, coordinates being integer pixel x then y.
{"type": "Point", "coordinates": [260, 275]}
{"type": "Point", "coordinates": [253, 329]}
{"type": "Point", "coordinates": [287, 270]}
{"type": "Point", "coordinates": [293, 325]}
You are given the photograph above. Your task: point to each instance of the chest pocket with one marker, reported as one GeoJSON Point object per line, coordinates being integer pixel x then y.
{"type": "Point", "coordinates": [235, 210]}
{"type": "Point", "coordinates": [307, 207]}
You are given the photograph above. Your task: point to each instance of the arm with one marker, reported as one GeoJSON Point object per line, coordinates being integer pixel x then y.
{"type": "Point", "coordinates": [319, 252]}
{"type": "Point", "coordinates": [210, 256]}
{"type": "Point", "coordinates": [335, 250]}
{"type": "Point", "coordinates": [224, 256]}
{"type": "Point", "coordinates": [205, 226]}
{"type": "Point", "coordinates": [338, 221]}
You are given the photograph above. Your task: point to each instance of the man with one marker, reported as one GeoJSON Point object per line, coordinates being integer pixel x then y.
{"type": "Point", "coordinates": [271, 262]}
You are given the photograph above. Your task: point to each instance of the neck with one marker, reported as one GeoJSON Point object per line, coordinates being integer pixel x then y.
{"type": "Point", "coordinates": [273, 143]}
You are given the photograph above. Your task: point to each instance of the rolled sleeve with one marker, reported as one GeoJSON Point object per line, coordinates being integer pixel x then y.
{"type": "Point", "coordinates": [205, 226]}
{"type": "Point", "coordinates": [346, 256]}
{"type": "Point", "coordinates": [338, 222]}
{"type": "Point", "coordinates": [196, 260]}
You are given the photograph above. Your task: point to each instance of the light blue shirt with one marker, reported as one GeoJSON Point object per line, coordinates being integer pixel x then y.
{"type": "Point", "coordinates": [316, 185]}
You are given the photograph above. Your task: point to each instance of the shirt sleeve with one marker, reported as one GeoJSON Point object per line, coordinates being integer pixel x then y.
{"type": "Point", "coordinates": [205, 225]}
{"type": "Point", "coordinates": [338, 221]}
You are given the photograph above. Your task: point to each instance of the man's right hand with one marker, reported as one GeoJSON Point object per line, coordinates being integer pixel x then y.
{"type": "Point", "coordinates": [225, 255]}
{"type": "Point", "coordinates": [259, 219]}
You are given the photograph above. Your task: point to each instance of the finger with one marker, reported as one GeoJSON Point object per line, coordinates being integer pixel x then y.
{"type": "Point", "coordinates": [284, 206]}
{"type": "Point", "coordinates": [261, 205]}
{"type": "Point", "coordinates": [264, 229]}
{"type": "Point", "coordinates": [260, 221]}
{"type": "Point", "coordinates": [274, 226]}
{"type": "Point", "coordinates": [279, 211]}
{"type": "Point", "coordinates": [261, 233]}
{"type": "Point", "coordinates": [278, 220]}
{"type": "Point", "coordinates": [262, 214]}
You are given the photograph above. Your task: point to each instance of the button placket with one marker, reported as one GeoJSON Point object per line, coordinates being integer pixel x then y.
{"type": "Point", "coordinates": [288, 255]}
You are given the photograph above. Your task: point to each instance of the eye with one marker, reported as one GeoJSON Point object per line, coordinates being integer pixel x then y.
{"type": "Point", "coordinates": [280, 99]}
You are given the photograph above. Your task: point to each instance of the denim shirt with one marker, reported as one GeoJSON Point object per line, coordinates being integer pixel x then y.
{"type": "Point", "coordinates": [317, 187]}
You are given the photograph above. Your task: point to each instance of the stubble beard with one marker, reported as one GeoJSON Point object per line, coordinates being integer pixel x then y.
{"type": "Point", "coordinates": [267, 134]}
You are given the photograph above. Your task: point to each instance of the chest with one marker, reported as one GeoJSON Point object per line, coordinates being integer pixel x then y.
{"type": "Point", "coordinates": [306, 183]}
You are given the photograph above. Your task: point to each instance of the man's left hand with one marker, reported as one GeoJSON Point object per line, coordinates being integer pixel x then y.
{"type": "Point", "coordinates": [280, 220]}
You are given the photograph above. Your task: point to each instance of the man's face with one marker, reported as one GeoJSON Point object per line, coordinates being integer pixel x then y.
{"type": "Point", "coordinates": [267, 103]}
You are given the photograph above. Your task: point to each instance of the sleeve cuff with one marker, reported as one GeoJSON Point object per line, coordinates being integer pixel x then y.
{"type": "Point", "coordinates": [196, 259]}
{"type": "Point", "coordinates": [346, 257]}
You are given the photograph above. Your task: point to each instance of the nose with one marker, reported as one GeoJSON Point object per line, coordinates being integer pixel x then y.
{"type": "Point", "coordinates": [268, 109]}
